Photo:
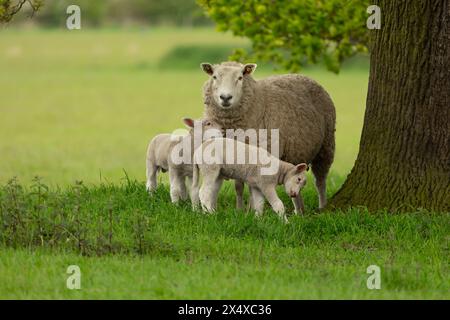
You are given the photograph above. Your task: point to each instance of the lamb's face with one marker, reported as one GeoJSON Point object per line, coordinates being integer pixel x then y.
{"type": "Point", "coordinates": [295, 180]}
{"type": "Point", "coordinates": [209, 128]}
{"type": "Point", "coordinates": [227, 82]}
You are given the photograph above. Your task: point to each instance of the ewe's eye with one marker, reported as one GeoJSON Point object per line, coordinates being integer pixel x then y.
{"type": "Point", "coordinates": [214, 77]}
{"type": "Point", "coordinates": [208, 123]}
{"type": "Point", "coordinates": [240, 78]}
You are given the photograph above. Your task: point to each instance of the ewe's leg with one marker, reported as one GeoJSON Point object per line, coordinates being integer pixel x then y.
{"type": "Point", "coordinates": [152, 171]}
{"type": "Point", "coordinates": [257, 200]}
{"type": "Point", "coordinates": [188, 187]}
{"type": "Point", "coordinates": [177, 186]}
{"type": "Point", "coordinates": [298, 204]}
{"type": "Point", "coordinates": [189, 183]}
{"type": "Point", "coordinates": [277, 205]}
{"type": "Point", "coordinates": [239, 187]}
{"type": "Point", "coordinates": [321, 184]}
{"type": "Point", "coordinates": [320, 167]}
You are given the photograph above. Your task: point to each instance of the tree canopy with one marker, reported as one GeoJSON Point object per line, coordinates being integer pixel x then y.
{"type": "Point", "coordinates": [294, 33]}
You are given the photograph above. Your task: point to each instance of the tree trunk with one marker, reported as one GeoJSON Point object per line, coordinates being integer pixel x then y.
{"type": "Point", "coordinates": [404, 158]}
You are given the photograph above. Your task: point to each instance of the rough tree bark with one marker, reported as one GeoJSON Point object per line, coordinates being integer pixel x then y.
{"type": "Point", "coordinates": [404, 157]}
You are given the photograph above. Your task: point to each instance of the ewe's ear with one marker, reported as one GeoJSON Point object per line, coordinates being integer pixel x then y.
{"type": "Point", "coordinates": [249, 68]}
{"type": "Point", "coordinates": [301, 167]}
{"type": "Point", "coordinates": [189, 122]}
{"type": "Point", "coordinates": [208, 68]}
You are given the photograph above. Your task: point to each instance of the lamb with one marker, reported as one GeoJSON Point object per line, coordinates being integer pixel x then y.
{"type": "Point", "coordinates": [232, 159]}
{"type": "Point", "coordinates": [297, 106]}
{"type": "Point", "coordinates": [164, 152]}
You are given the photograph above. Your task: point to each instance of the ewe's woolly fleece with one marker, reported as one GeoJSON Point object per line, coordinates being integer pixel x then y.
{"type": "Point", "coordinates": [296, 105]}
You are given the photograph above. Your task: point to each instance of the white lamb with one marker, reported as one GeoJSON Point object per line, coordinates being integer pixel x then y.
{"type": "Point", "coordinates": [160, 157]}
{"type": "Point", "coordinates": [214, 168]}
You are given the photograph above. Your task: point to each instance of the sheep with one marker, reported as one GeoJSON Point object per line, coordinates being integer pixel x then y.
{"type": "Point", "coordinates": [296, 105]}
{"type": "Point", "coordinates": [232, 159]}
{"type": "Point", "coordinates": [166, 152]}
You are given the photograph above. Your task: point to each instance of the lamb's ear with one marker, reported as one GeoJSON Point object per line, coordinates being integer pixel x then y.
{"type": "Point", "coordinates": [208, 68]}
{"type": "Point", "coordinates": [189, 122]}
{"type": "Point", "coordinates": [301, 167]}
{"type": "Point", "coordinates": [249, 68]}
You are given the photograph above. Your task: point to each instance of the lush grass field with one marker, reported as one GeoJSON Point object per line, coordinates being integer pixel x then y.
{"type": "Point", "coordinates": [83, 105]}
{"type": "Point", "coordinates": [130, 246]}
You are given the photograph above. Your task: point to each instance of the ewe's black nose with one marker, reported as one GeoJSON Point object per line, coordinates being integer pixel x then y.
{"type": "Point", "coordinates": [226, 97]}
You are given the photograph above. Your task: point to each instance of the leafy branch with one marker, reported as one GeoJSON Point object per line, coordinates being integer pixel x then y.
{"type": "Point", "coordinates": [294, 33]}
{"type": "Point", "coordinates": [8, 8]}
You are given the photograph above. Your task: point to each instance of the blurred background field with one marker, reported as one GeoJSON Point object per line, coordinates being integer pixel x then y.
{"type": "Point", "coordinates": [83, 104]}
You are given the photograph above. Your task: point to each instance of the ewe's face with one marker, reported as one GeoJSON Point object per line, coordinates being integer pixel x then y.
{"type": "Point", "coordinates": [227, 82]}
{"type": "Point", "coordinates": [296, 180]}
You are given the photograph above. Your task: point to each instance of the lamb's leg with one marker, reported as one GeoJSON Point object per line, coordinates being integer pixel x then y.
{"type": "Point", "coordinates": [208, 195]}
{"type": "Point", "coordinates": [277, 205]}
{"type": "Point", "coordinates": [176, 185]}
{"type": "Point", "coordinates": [257, 200]}
{"type": "Point", "coordinates": [215, 191]}
{"type": "Point", "coordinates": [298, 204]}
{"type": "Point", "coordinates": [152, 171]}
{"type": "Point", "coordinates": [251, 206]}
{"type": "Point", "coordinates": [209, 191]}
{"type": "Point", "coordinates": [188, 185]}
{"type": "Point", "coordinates": [239, 187]}
{"type": "Point", "coordinates": [205, 196]}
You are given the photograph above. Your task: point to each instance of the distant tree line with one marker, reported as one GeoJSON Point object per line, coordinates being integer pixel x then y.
{"type": "Point", "coordinates": [100, 13]}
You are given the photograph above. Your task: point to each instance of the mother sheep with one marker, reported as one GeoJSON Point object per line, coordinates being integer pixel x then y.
{"type": "Point", "coordinates": [297, 106]}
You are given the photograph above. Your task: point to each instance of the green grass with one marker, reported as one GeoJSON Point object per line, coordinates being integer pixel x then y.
{"type": "Point", "coordinates": [83, 106]}
{"type": "Point", "coordinates": [130, 245]}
